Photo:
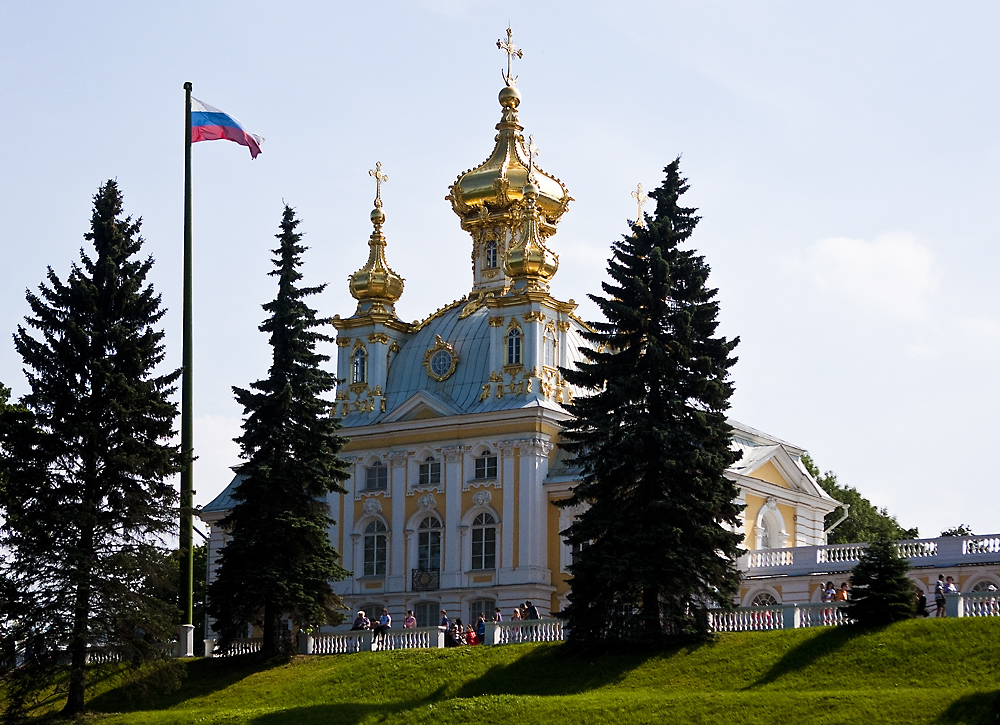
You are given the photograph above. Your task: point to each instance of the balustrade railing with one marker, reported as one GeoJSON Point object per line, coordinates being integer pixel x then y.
{"type": "Point", "coordinates": [520, 631]}
{"type": "Point", "coordinates": [822, 614]}
{"type": "Point", "coordinates": [980, 604]}
{"type": "Point", "coordinates": [747, 619]}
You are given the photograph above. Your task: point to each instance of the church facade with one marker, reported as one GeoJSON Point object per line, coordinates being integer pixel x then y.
{"type": "Point", "coordinates": [455, 421]}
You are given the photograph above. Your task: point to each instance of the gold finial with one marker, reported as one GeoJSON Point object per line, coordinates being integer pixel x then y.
{"type": "Point", "coordinates": [532, 153]}
{"type": "Point", "coordinates": [641, 197]}
{"type": "Point", "coordinates": [508, 78]}
{"type": "Point", "coordinates": [379, 178]}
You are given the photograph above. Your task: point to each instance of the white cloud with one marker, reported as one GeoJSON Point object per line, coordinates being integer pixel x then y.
{"type": "Point", "coordinates": [894, 274]}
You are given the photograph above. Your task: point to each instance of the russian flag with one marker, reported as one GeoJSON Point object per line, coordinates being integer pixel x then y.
{"type": "Point", "coordinates": [209, 124]}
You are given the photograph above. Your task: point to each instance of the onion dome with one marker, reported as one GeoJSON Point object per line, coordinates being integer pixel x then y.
{"type": "Point", "coordinates": [529, 258]}
{"type": "Point", "coordinates": [493, 190]}
{"type": "Point", "coordinates": [375, 282]}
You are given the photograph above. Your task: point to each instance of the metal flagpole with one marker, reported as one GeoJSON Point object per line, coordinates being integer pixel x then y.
{"type": "Point", "coordinates": [187, 428]}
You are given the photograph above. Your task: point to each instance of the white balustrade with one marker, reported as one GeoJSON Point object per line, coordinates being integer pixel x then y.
{"type": "Point", "coordinates": [747, 619]}
{"type": "Point", "coordinates": [766, 558]}
{"type": "Point", "coordinates": [981, 545]}
{"type": "Point", "coordinates": [520, 631]}
{"type": "Point", "coordinates": [980, 604]}
{"type": "Point", "coordinates": [417, 638]}
{"type": "Point", "coordinates": [840, 553]}
{"type": "Point", "coordinates": [338, 643]}
{"type": "Point", "coordinates": [822, 614]}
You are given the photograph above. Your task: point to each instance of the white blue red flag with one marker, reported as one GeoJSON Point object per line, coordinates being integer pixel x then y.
{"type": "Point", "coordinates": [209, 124]}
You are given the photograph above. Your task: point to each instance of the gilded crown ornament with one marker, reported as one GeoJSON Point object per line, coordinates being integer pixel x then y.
{"type": "Point", "coordinates": [641, 197]}
{"type": "Point", "coordinates": [529, 259]}
{"type": "Point", "coordinates": [375, 284]}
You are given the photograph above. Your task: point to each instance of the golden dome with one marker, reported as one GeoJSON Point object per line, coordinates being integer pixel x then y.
{"type": "Point", "coordinates": [529, 258]}
{"type": "Point", "coordinates": [495, 187]}
{"type": "Point", "coordinates": [375, 282]}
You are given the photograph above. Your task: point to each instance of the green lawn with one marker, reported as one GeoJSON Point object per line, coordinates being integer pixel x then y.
{"type": "Point", "coordinates": [926, 671]}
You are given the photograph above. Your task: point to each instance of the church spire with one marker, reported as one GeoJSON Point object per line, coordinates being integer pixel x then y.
{"type": "Point", "coordinates": [375, 286]}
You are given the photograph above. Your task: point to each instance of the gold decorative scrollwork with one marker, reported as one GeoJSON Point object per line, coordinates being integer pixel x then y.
{"type": "Point", "coordinates": [439, 355]}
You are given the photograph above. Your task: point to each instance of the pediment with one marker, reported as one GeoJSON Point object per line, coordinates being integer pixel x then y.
{"type": "Point", "coordinates": [421, 406]}
{"type": "Point", "coordinates": [776, 466]}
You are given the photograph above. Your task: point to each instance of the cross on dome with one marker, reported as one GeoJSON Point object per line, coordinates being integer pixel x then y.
{"type": "Point", "coordinates": [641, 197]}
{"type": "Point", "coordinates": [508, 78]}
{"type": "Point", "coordinates": [532, 153]}
{"type": "Point", "coordinates": [379, 178]}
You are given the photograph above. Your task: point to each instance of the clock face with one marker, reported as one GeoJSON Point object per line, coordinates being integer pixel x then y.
{"type": "Point", "coordinates": [441, 363]}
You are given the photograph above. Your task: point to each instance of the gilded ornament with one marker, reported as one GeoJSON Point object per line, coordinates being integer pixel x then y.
{"type": "Point", "coordinates": [485, 394]}
{"type": "Point", "coordinates": [496, 322]}
{"type": "Point", "coordinates": [440, 360]}
{"type": "Point", "coordinates": [378, 337]}
{"type": "Point", "coordinates": [641, 197]}
{"type": "Point", "coordinates": [343, 342]}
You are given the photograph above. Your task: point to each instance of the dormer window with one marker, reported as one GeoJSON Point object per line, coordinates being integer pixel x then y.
{"type": "Point", "coordinates": [430, 472]}
{"type": "Point", "coordinates": [491, 255]}
{"type": "Point", "coordinates": [376, 477]}
{"type": "Point", "coordinates": [359, 369]}
{"type": "Point", "coordinates": [514, 346]}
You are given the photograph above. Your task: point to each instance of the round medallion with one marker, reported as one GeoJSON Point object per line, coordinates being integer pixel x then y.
{"type": "Point", "coordinates": [440, 360]}
{"type": "Point", "coordinates": [441, 363]}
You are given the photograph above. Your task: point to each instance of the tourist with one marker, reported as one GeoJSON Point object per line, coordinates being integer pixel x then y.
{"type": "Point", "coordinates": [516, 616]}
{"type": "Point", "coordinates": [384, 623]}
{"type": "Point", "coordinates": [532, 611]}
{"type": "Point", "coordinates": [829, 593]}
{"type": "Point", "coordinates": [949, 586]}
{"type": "Point", "coordinates": [481, 627]}
{"type": "Point", "coordinates": [471, 638]}
{"type": "Point", "coordinates": [939, 597]}
{"type": "Point", "coordinates": [921, 603]}
{"type": "Point", "coordinates": [444, 619]}
{"type": "Point", "coordinates": [450, 640]}
{"type": "Point", "coordinates": [842, 593]}
{"type": "Point", "coordinates": [497, 617]}
{"type": "Point", "coordinates": [410, 621]}
{"type": "Point", "coordinates": [361, 621]}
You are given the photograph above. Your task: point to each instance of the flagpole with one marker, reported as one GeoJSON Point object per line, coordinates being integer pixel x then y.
{"type": "Point", "coordinates": [187, 427]}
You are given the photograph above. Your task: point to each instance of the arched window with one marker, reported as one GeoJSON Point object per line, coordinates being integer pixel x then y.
{"type": "Point", "coordinates": [376, 477]}
{"type": "Point", "coordinates": [764, 599]}
{"type": "Point", "coordinates": [484, 542]}
{"type": "Point", "coordinates": [430, 472]}
{"type": "Point", "coordinates": [375, 549]}
{"type": "Point", "coordinates": [549, 349]}
{"type": "Point", "coordinates": [484, 607]}
{"type": "Point", "coordinates": [514, 346]}
{"type": "Point", "coordinates": [426, 614]}
{"type": "Point", "coordinates": [985, 586]}
{"type": "Point", "coordinates": [359, 371]}
{"type": "Point", "coordinates": [429, 544]}
{"type": "Point", "coordinates": [486, 466]}
{"type": "Point", "coordinates": [491, 255]}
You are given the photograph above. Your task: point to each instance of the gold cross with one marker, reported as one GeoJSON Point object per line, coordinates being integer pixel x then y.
{"type": "Point", "coordinates": [511, 52]}
{"type": "Point", "coordinates": [640, 196]}
{"type": "Point", "coordinates": [532, 153]}
{"type": "Point", "coordinates": [379, 178]}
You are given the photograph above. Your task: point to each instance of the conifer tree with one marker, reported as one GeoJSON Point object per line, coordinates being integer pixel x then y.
{"type": "Point", "coordinates": [86, 459]}
{"type": "Point", "coordinates": [656, 539]}
{"type": "Point", "coordinates": [881, 593]}
{"type": "Point", "coordinates": [278, 561]}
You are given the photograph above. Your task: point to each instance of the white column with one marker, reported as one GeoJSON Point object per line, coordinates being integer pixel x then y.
{"type": "Point", "coordinates": [451, 572]}
{"type": "Point", "coordinates": [506, 473]}
{"type": "Point", "coordinates": [398, 572]}
{"type": "Point", "coordinates": [532, 513]}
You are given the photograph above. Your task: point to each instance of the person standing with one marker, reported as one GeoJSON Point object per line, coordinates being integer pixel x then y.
{"type": "Point", "coordinates": [445, 622]}
{"type": "Point", "coordinates": [939, 596]}
{"type": "Point", "coordinates": [409, 622]}
{"type": "Point", "coordinates": [532, 611]}
{"type": "Point", "coordinates": [842, 593]}
{"type": "Point", "coordinates": [497, 616]}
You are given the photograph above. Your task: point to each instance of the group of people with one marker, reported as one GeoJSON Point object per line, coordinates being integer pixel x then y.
{"type": "Point", "coordinates": [835, 595]}
{"type": "Point", "coordinates": [455, 633]}
{"type": "Point", "coordinates": [944, 585]}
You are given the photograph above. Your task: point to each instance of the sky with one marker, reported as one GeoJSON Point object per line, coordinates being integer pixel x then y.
{"type": "Point", "coordinates": [844, 159]}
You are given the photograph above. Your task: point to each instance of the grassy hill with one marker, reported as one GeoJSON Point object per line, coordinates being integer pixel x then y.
{"type": "Point", "coordinates": [926, 671]}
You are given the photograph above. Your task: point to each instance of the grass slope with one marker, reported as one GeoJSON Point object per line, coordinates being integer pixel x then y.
{"type": "Point", "coordinates": [920, 671]}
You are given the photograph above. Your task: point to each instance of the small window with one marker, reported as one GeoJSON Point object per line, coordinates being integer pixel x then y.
{"type": "Point", "coordinates": [359, 373]}
{"type": "Point", "coordinates": [427, 614]}
{"type": "Point", "coordinates": [484, 607]}
{"type": "Point", "coordinates": [375, 550]}
{"type": "Point", "coordinates": [491, 255]}
{"type": "Point", "coordinates": [514, 347]}
{"type": "Point", "coordinates": [549, 349]}
{"type": "Point", "coordinates": [484, 542]}
{"type": "Point", "coordinates": [430, 472]}
{"type": "Point", "coordinates": [486, 467]}
{"type": "Point", "coordinates": [376, 477]}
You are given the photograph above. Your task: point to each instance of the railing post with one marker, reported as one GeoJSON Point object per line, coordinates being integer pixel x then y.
{"type": "Point", "coordinates": [790, 616]}
{"type": "Point", "coordinates": [438, 641]}
{"type": "Point", "coordinates": [365, 641]}
{"type": "Point", "coordinates": [305, 643]}
{"type": "Point", "coordinates": [185, 640]}
{"type": "Point", "coordinates": [490, 635]}
{"type": "Point", "coordinates": [210, 647]}
{"type": "Point", "coordinates": [953, 605]}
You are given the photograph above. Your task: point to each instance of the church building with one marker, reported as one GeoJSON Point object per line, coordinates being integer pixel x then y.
{"type": "Point", "coordinates": [454, 422]}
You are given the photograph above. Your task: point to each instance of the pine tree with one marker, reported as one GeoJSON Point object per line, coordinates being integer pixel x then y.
{"type": "Point", "coordinates": [278, 561]}
{"type": "Point", "coordinates": [87, 462]}
{"type": "Point", "coordinates": [656, 540]}
{"type": "Point", "coordinates": [881, 593]}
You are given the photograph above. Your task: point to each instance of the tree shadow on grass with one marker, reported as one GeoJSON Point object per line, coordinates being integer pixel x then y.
{"type": "Point", "coordinates": [346, 713]}
{"type": "Point", "coordinates": [563, 670]}
{"type": "Point", "coordinates": [981, 708]}
{"type": "Point", "coordinates": [154, 689]}
{"type": "Point", "coordinates": [811, 651]}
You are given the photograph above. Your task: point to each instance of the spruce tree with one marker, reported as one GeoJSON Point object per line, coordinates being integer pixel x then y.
{"type": "Point", "coordinates": [87, 459]}
{"type": "Point", "coordinates": [656, 539]}
{"type": "Point", "coordinates": [881, 593]}
{"type": "Point", "coordinates": [278, 561]}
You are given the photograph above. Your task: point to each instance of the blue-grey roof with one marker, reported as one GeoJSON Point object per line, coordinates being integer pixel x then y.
{"type": "Point", "coordinates": [224, 501]}
{"type": "Point", "coordinates": [460, 392]}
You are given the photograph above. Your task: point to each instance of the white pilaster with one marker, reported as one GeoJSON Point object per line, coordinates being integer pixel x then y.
{"type": "Point", "coordinates": [397, 523]}
{"type": "Point", "coordinates": [452, 568]}
{"type": "Point", "coordinates": [532, 513]}
{"type": "Point", "coordinates": [506, 473]}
